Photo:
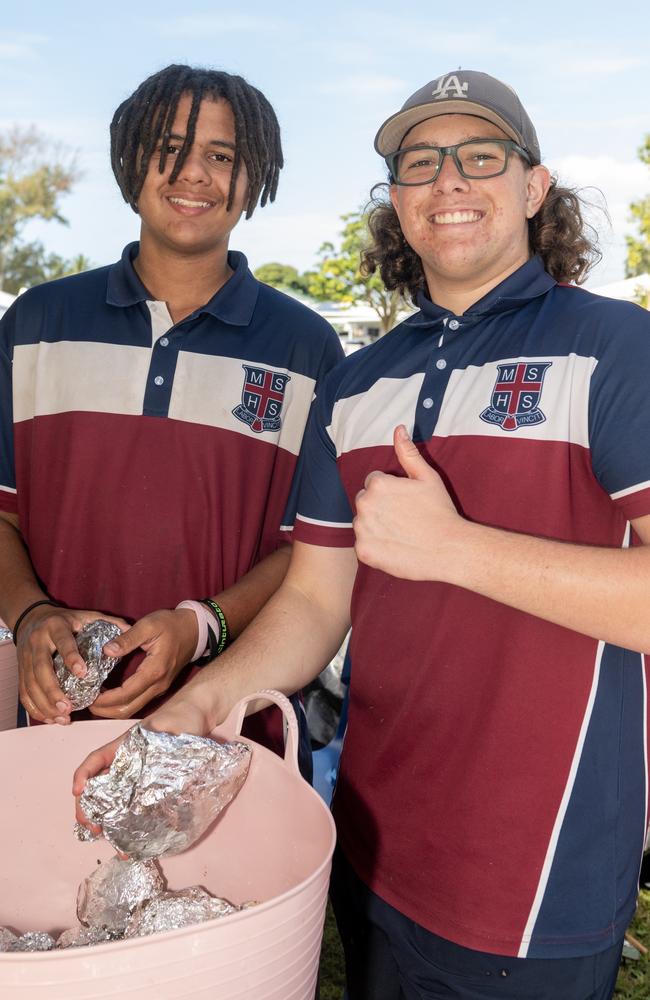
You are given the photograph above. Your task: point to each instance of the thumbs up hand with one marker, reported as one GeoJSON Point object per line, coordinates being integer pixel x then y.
{"type": "Point", "coordinates": [407, 527]}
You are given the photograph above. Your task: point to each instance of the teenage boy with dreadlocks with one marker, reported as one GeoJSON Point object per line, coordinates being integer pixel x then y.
{"type": "Point", "coordinates": [481, 478]}
{"type": "Point", "coordinates": [158, 409]}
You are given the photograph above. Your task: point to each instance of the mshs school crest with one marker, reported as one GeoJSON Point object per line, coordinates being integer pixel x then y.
{"type": "Point", "coordinates": [516, 395]}
{"type": "Point", "coordinates": [262, 397]}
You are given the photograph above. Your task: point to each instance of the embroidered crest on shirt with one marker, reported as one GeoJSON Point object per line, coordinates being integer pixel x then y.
{"type": "Point", "coordinates": [516, 395]}
{"type": "Point", "coordinates": [262, 397]}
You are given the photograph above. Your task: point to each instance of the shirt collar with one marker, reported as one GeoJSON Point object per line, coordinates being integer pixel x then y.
{"type": "Point", "coordinates": [234, 303]}
{"type": "Point", "coordinates": [527, 282]}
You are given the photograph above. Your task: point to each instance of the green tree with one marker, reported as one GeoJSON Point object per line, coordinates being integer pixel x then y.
{"type": "Point", "coordinates": [28, 264]}
{"type": "Point", "coordinates": [34, 175]}
{"type": "Point", "coordinates": [338, 277]}
{"type": "Point", "coordinates": [281, 276]}
{"type": "Point", "coordinates": [638, 247]}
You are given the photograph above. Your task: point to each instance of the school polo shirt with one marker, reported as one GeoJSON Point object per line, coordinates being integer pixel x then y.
{"type": "Point", "coordinates": [493, 783]}
{"type": "Point", "coordinates": [150, 461]}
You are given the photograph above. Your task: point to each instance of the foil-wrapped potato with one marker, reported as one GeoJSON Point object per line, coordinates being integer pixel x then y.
{"type": "Point", "coordinates": [82, 691]}
{"type": "Point", "coordinates": [162, 792]}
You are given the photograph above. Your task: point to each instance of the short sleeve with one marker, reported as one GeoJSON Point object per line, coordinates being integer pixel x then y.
{"type": "Point", "coordinates": [619, 412]}
{"type": "Point", "coordinates": [8, 497]}
{"type": "Point", "coordinates": [318, 506]}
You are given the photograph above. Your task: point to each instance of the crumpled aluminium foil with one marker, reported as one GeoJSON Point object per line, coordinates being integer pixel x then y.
{"type": "Point", "coordinates": [7, 939]}
{"type": "Point", "coordinates": [79, 937]}
{"type": "Point", "coordinates": [33, 941]}
{"type": "Point", "coordinates": [171, 910]}
{"type": "Point", "coordinates": [82, 832]}
{"type": "Point", "coordinates": [162, 792]}
{"type": "Point", "coordinates": [82, 691]}
{"type": "Point", "coordinates": [108, 896]}
{"type": "Point", "coordinates": [140, 916]}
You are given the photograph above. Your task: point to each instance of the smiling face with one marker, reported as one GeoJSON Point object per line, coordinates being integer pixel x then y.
{"type": "Point", "coordinates": [189, 217]}
{"type": "Point", "coordinates": [469, 234]}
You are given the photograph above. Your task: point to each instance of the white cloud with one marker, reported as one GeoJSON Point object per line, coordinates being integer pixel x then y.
{"type": "Point", "coordinates": [345, 50]}
{"type": "Point", "coordinates": [20, 46]}
{"type": "Point", "coordinates": [423, 36]}
{"type": "Point", "coordinates": [620, 182]}
{"type": "Point", "coordinates": [595, 65]}
{"type": "Point", "coordinates": [88, 134]}
{"type": "Point", "coordinates": [363, 85]}
{"type": "Point", "coordinates": [202, 25]}
{"type": "Point", "coordinates": [560, 59]}
{"type": "Point", "coordinates": [287, 238]}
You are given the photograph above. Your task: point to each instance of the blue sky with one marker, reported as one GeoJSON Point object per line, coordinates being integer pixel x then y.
{"type": "Point", "coordinates": [334, 71]}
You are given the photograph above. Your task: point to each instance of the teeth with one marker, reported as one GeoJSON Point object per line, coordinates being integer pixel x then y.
{"type": "Point", "coordinates": [448, 218]}
{"type": "Point", "coordinates": [190, 204]}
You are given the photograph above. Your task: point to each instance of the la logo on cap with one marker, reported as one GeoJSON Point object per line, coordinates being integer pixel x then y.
{"type": "Point", "coordinates": [447, 83]}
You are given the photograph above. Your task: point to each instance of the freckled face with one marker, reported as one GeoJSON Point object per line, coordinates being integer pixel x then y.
{"type": "Point", "coordinates": [189, 216]}
{"type": "Point", "coordinates": [468, 232]}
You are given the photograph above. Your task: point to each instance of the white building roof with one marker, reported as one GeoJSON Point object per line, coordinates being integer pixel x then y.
{"type": "Point", "coordinates": [625, 289]}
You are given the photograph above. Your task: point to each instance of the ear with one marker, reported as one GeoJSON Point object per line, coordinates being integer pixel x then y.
{"type": "Point", "coordinates": [538, 182]}
{"type": "Point", "coordinates": [392, 190]}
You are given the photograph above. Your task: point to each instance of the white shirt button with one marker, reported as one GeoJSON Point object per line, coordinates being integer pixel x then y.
{"type": "Point", "coordinates": [453, 324]}
{"type": "Point", "coordinates": [441, 363]}
{"type": "Point", "coordinates": [427, 403]}
{"type": "Point", "coordinates": [163, 341]}
{"type": "Point", "coordinates": [159, 380]}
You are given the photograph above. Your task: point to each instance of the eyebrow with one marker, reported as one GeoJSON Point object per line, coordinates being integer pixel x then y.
{"type": "Point", "coordinates": [212, 142]}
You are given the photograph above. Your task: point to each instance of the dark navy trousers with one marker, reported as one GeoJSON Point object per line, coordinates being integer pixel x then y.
{"type": "Point", "coordinates": [390, 957]}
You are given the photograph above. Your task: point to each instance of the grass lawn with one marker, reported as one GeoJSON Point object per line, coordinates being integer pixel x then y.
{"type": "Point", "coordinates": [633, 981]}
{"type": "Point", "coordinates": [332, 977]}
{"type": "Point", "coordinates": [634, 977]}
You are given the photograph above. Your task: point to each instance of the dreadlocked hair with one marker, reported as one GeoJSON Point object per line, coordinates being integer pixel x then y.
{"type": "Point", "coordinates": [567, 244]}
{"type": "Point", "coordinates": [147, 116]}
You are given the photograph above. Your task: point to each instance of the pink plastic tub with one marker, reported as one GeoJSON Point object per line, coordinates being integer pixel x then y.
{"type": "Point", "coordinates": [8, 684]}
{"type": "Point", "coordinates": [274, 844]}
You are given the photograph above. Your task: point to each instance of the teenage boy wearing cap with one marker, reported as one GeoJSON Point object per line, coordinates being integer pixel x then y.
{"type": "Point", "coordinates": [158, 410]}
{"type": "Point", "coordinates": [487, 464]}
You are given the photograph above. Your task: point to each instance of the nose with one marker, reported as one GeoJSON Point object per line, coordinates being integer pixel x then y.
{"type": "Point", "coordinates": [194, 169]}
{"type": "Point", "coordinates": [450, 179]}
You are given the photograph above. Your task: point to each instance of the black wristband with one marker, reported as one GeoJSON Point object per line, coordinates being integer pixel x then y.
{"type": "Point", "coordinates": [213, 644]}
{"type": "Point", "coordinates": [24, 614]}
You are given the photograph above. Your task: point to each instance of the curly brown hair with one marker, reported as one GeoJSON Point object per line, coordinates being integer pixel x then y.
{"type": "Point", "coordinates": [559, 233]}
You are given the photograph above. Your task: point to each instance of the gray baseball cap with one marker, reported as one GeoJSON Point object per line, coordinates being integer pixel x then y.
{"type": "Point", "coordinates": [463, 92]}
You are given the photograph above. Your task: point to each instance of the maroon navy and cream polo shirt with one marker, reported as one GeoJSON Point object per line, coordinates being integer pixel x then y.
{"type": "Point", "coordinates": [493, 784]}
{"type": "Point", "coordinates": [150, 461]}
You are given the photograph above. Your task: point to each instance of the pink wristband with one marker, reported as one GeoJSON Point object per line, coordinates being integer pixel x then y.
{"type": "Point", "coordinates": [203, 618]}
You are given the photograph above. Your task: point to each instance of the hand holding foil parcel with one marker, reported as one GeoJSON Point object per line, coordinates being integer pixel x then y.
{"type": "Point", "coordinates": [160, 795]}
{"type": "Point", "coordinates": [162, 792]}
{"type": "Point", "coordinates": [91, 639]}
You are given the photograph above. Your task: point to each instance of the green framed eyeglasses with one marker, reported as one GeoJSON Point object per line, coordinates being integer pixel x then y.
{"type": "Point", "coordinates": [475, 159]}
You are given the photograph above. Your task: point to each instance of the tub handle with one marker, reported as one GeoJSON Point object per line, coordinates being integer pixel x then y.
{"type": "Point", "coordinates": [237, 715]}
